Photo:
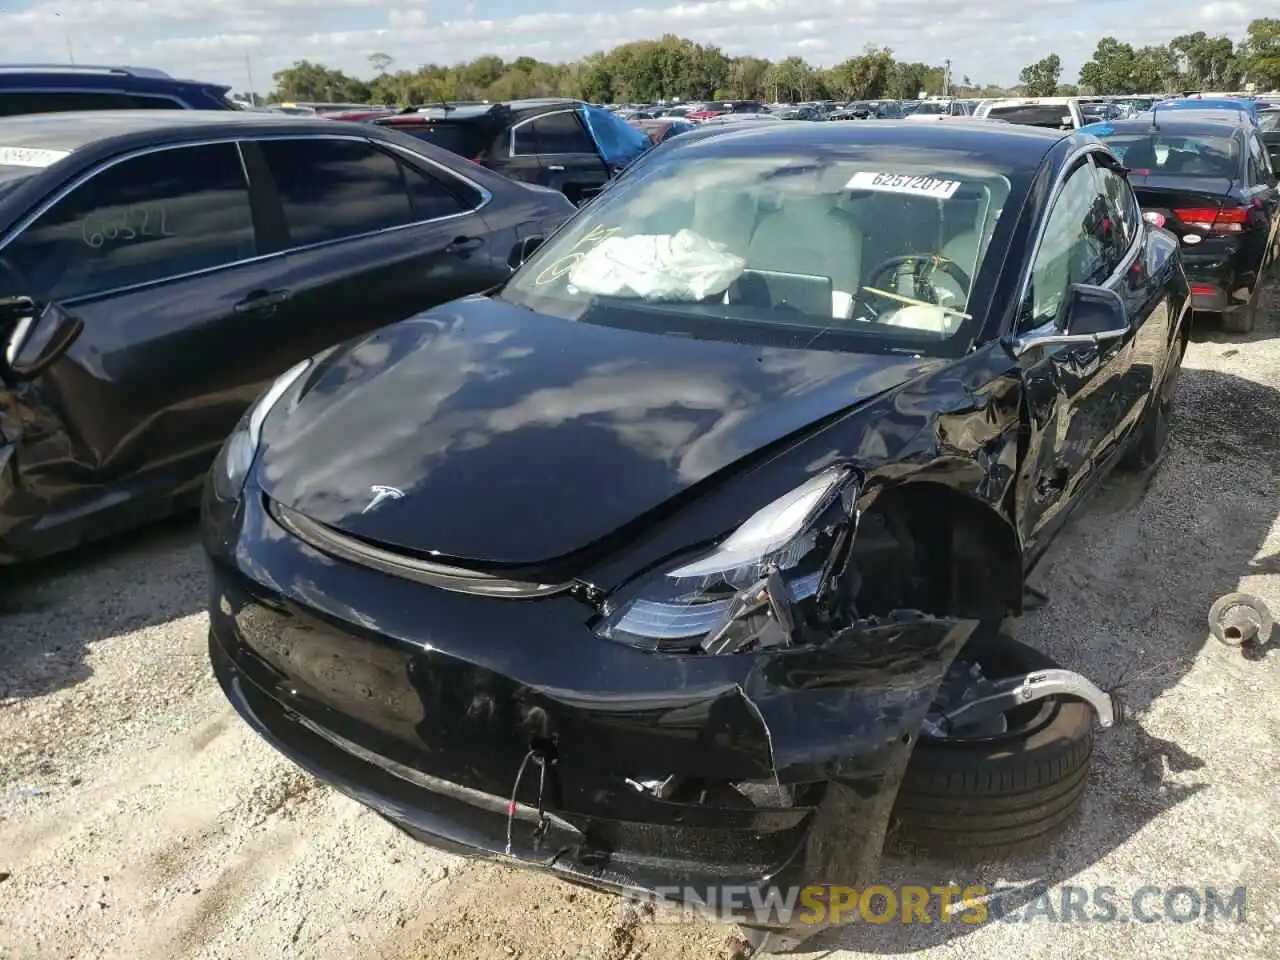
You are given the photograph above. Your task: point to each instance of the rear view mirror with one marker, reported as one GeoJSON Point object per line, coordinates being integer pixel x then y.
{"type": "Point", "coordinates": [34, 337]}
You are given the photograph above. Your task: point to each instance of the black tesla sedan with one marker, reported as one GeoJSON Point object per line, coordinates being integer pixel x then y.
{"type": "Point", "coordinates": [676, 561]}
{"type": "Point", "coordinates": [159, 268]}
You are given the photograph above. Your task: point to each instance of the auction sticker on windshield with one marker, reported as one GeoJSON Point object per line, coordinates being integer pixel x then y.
{"type": "Point", "coordinates": [918, 186]}
{"type": "Point", "coordinates": [30, 156]}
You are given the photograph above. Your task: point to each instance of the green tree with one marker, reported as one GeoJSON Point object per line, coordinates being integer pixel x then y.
{"type": "Point", "coordinates": [1204, 62]}
{"type": "Point", "coordinates": [1111, 69]}
{"type": "Point", "coordinates": [1040, 79]}
{"type": "Point", "coordinates": [380, 62]}
{"type": "Point", "coordinates": [313, 81]}
{"type": "Point", "coordinates": [1260, 53]}
{"type": "Point", "coordinates": [868, 75]}
{"type": "Point", "coordinates": [1155, 70]}
{"type": "Point", "coordinates": [909, 80]}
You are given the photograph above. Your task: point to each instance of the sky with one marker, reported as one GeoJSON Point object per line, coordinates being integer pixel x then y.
{"type": "Point", "coordinates": [238, 43]}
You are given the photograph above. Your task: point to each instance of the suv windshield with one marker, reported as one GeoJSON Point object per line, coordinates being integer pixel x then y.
{"type": "Point", "coordinates": [1032, 114]}
{"type": "Point", "coordinates": [873, 254]}
{"type": "Point", "coordinates": [1158, 154]}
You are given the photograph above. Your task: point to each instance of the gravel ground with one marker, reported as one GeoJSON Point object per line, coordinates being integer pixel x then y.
{"type": "Point", "coordinates": [139, 819]}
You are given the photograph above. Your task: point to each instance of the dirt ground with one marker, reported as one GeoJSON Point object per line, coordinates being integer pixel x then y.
{"type": "Point", "coordinates": [139, 819]}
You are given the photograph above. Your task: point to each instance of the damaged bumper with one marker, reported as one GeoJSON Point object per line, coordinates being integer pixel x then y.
{"type": "Point", "coordinates": [426, 705]}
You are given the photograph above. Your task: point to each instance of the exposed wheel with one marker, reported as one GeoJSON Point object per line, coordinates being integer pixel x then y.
{"type": "Point", "coordinates": [985, 792]}
{"type": "Point", "coordinates": [1157, 422]}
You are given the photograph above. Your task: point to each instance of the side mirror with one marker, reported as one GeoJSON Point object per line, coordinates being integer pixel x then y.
{"type": "Point", "coordinates": [1095, 312]}
{"type": "Point", "coordinates": [34, 338]}
{"type": "Point", "coordinates": [1094, 315]}
{"type": "Point", "coordinates": [525, 248]}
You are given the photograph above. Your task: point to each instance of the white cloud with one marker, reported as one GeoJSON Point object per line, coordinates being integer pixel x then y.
{"type": "Point", "coordinates": [210, 39]}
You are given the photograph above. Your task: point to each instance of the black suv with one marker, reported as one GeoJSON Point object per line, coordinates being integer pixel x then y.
{"type": "Point", "coordinates": [59, 87]}
{"type": "Point", "coordinates": [567, 145]}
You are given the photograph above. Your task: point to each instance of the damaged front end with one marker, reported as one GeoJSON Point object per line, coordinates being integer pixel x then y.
{"type": "Point", "coordinates": [740, 716]}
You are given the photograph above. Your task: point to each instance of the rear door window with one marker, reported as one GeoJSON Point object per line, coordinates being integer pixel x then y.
{"type": "Point", "coordinates": [331, 189]}
{"type": "Point", "coordinates": [557, 133]}
{"type": "Point", "coordinates": [153, 217]}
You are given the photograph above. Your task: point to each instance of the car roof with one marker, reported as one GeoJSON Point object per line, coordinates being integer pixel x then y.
{"type": "Point", "coordinates": [73, 130]}
{"type": "Point", "coordinates": [87, 73]}
{"type": "Point", "coordinates": [1003, 146]}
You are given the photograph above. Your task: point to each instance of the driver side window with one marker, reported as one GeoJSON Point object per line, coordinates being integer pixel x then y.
{"type": "Point", "coordinates": [1073, 249]}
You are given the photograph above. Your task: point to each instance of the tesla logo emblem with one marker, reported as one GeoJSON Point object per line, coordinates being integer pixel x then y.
{"type": "Point", "coordinates": [381, 493]}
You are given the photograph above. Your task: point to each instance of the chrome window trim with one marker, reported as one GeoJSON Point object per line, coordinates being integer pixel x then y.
{"type": "Point", "coordinates": [516, 126]}
{"type": "Point", "coordinates": [237, 141]}
{"type": "Point", "coordinates": [1070, 165]}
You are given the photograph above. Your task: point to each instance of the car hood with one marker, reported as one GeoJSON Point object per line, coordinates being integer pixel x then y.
{"type": "Point", "coordinates": [503, 436]}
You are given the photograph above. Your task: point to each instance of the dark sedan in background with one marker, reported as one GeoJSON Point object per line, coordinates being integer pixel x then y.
{"type": "Point", "coordinates": [677, 561]}
{"type": "Point", "coordinates": [567, 145]}
{"type": "Point", "coordinates": [1206, 176]}
{"type": "Point", "coordinates": [159, 268]}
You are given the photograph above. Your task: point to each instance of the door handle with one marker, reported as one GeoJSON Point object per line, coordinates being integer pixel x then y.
{"type": "Point", "coordinates": [556, 167]}
{"type": "Point", "coordinates": [464, 244]}
{"type": "Point", "coordinates": [261, 300]}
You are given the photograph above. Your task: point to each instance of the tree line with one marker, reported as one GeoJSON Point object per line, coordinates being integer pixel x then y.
{"type": "Point", "coordinates": [673, 67]}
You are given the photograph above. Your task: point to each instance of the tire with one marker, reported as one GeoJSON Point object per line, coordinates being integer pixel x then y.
{"type": "Point", "coordinates": [1157, 423]}
{"type": "Point", "coordinates": [988, 799]}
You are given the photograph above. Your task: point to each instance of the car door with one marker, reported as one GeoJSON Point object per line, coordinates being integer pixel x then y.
{"type": "Point", "coordinates": [567, 154]}
{"type": "Point", "coordinates": [154, 251]}
{"type": "Point", "coordinates": [1073, 393]}
{"type": "Point", "coordinates": [374, 234]}
{"type": "Point", "coordinates": [1151, 306]}
{"type": "Point", "coordinates": [1262, 192]}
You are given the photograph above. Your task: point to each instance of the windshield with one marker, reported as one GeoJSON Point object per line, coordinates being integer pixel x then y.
{"type": "Point", "coordinates": [872, 255]}
{"type": "Point", "coordinates": [932, 107]}
{"type": "Point", "coordinates": [1148, 154]}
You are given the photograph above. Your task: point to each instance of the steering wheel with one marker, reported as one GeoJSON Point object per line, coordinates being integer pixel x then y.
{"type": "Point", "coordinates": [923, 266]}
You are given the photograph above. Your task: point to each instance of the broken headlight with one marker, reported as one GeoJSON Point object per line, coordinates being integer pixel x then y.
{"type": "Point", "coordinates": [760, 587]}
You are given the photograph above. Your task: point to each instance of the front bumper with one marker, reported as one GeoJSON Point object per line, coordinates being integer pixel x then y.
{"type": "Point", "coordinates": [422, 705]}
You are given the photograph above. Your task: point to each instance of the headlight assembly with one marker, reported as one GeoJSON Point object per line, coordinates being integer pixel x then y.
{"type": "Point", "coordinates": [756, 588]}
{"type": "Point", "coordinates": [231, 468]}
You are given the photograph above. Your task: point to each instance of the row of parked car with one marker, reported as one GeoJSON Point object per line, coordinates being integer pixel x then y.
{"type": "Point", "coordinates": [702, 487]}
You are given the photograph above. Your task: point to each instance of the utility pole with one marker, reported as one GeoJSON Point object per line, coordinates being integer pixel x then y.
{"type": "Point", "coordinates": [248, 69]}
{"type": "Point", "coordinates": [946, 78]}
{"type": "Point", "coordinates": [66, 35]}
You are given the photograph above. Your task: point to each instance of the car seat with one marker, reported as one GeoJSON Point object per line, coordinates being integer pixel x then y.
{"type": "Point", "coordinates": [808, 235]}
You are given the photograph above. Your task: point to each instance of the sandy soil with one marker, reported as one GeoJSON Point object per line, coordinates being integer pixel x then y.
{"type": "Point", "coordinates": [140, 820]}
